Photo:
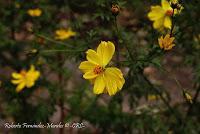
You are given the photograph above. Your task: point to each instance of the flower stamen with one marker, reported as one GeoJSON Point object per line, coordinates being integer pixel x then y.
{"type": "Point", "coordinates": [98, 70]}
{"type": "Point", "coordinates": [169, 12]}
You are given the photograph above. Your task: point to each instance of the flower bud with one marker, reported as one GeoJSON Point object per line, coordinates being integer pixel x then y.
{"type": "Point", "coordinates": [115, 9]}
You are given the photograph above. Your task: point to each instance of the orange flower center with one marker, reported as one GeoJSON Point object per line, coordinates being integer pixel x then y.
{"type": "Point", "coordinates": [98, 70]}
{"type": "Point", "coordinates": [169, 12]}
{"type": "Point", "coordinates": [23, 73]}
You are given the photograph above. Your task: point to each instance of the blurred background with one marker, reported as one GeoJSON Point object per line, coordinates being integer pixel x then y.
{"type": "Point", "coordinates": [154, 98]}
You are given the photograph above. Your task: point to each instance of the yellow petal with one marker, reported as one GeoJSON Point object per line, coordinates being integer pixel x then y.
{"type": "Point", "coordinates": [167, 22]}
{"type": "Point", "coordinates": [105, 51]}
{"type": "Point", "coordinates": [86, 66]}
{"type": "Point", "coordinates": [158, 24]}
{"type": "Point", "coordinates": [160, 41]}
{"type": "Point", "coordinates": [16, 75]}
{"type": "Point", "coordinates": [114, 80]}
{"type": "Point", "coordinates": [20, 86]}
{"type": "Point", "coordinates": [30, 83]}
{"type": "Point", "coordinates": [156, 13]}
{"type": "Point", "coordinates": [93, 57]}
{"type": "Point", "coordinates": [165, 5]}
{"type": "Point", "coordinates": [99, 85]}
{"type": "Point", "coordinates": [116, 75]}
{"type": "Point", "coordinates": [90, 75]}
{"type": "Point", "coordinates": [16, 81]}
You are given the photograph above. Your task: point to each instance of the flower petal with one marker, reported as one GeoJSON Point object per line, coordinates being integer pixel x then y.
{"type": "Point", "coordinates": [90, 75]}
{"type": "Point", "coordinates": [20, 86]}
{"type": "Point", "coordinates": [16, 81]}
{"type": "Point", "coordinates": [99, 85]}
{"type": "Point", "coordinates": [86, 66]}
{"type": "Point", "coordinates": [156, 13]}
{"type": "Point", "coordinates": [105, 51]}
{"type": "Point", "coordinates": [117, 75]}
{"type": "Point", "coordinates": [158, 24]}
{"type": "Point", "coordinates": [167, 22]}
{"type": "Point", "coordinates": [93, 57]}
{"type": "Point", "coordinates": [165, 5]}
{"type": "Point", "coordinates": [16, 75]}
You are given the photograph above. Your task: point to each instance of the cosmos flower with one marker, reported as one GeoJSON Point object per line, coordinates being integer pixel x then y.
{"type": "Point", "coordinates": [161, 15]}
{"type": "Point", "coordinates": [25, 78]}
{"type": "Point", "coordinates": [166, 43]}
{"type": "Point", "coordinates": [105, 79]}
{"type": "Point", "coordinates": [63, 34]}
{"type": "Point", "coordinates": [35, 12]}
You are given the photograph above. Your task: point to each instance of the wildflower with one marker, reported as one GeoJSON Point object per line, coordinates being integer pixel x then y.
{"type": "Point", "coordinates": [188, 97]}
{"type": "Point", "coordinates": [35, 12]}
{"type": "Point", "coordinates": [161, 15]}
{"type": "Point", "coordinates": [152, 97]}
{"type": "Point", "coordinates": [105, 79]}
{"type": "Point", "coordinates": [166, 43]}
{"type": "Point", "coordinates": [62, 34]}
{"type": "Point", "coordinates": [25, 78]}
{"type": "Point", "coordinates": [115, 9]}
{"type": "Point", "coordinates": [175, 4]}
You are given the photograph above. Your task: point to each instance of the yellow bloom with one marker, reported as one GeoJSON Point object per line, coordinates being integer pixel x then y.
{"type": "Point", "coordinates": [152, 97]}
{"type": "Point", "coordinates": [166, 43]}
{"type": "Point", "coordinates": [25, 78]}
{"type": "Point", "coordinates": [188, 97]}
{"type": "Point", "coordinates": [161, 15]}
{"type": "Point", "coordinates": [34, 12]}
{"type": "Point", "coordinates": [62, 34]}
{"type": "Point", "coordinates": [106, 80]}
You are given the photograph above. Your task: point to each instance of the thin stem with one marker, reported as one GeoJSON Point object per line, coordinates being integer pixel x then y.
{"type": "Point", "coordinates": [54, 50]}
{"type": "Point", "coordinates": [162, 98]}
{"type": "Point", "coordinates": [172, 28]}
{"type": "Point", "coordinates": [117, 42]}
{"type": "Point", "coordinates": [51, 40]}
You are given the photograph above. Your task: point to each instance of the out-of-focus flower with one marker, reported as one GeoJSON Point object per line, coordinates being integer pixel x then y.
{"type": "Point", "coordinates": [35, 12]}
{"type": "Point", "coordinates": [166, 43]}
{"type": "Point", "coordinates": [63, 34]}
{"type": "Point", "coordinates": [106, 80]}
{"type": "Point", "coordinates": [175, 4]}
{"type": "Point", "coordinates": [115, 9]}
{"type": "Point", "coordinates": [152, 97]}
{"type": "Point", "coordinates": [188, 97]}
{"type": "Point", "coordinates": [25, 78]}
{"type": "Point", "coordinates": [17, 5]}
{"type": "Point", "coordinates": [161, 15]}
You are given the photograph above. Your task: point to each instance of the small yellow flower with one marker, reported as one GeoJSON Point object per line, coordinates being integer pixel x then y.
{"type": "Point", "coordinates": [188, 97]}
{"type": "Point", "coordinates": [25, 78]}
{"type": "Point", "coordinates": [63, 34]}
{"type": "Point", "coordinates": [152, 97]}
{"type": "Point", "coordinates": [166, 43]}
{"type": "Point", "coordinates": [161, 15]}
{"type": "Point", "coordinates": [105, 79]}
{"type": "Point", "coordinates": [35, 12]}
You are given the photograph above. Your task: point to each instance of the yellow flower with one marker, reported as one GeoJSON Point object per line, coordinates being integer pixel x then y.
{"type": "Point", "coordinates": [166, 43]}
{"type": "Point", "coordinates": [161, 15]}
{"type": "Point", "coordinates": [188, 97]}
{"type": "Point", "coordinates": [34, 12]}
{"type": "Point", "coordinates": [105, 79]}
{"type": "Point", "coordinates": [152, 97]}
{"type": "Point", "coordinates": [62, 34]}
{"type": "Point", "coordinates": [25, 78]}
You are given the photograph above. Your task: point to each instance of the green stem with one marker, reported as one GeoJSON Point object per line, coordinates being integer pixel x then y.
{"type": "Point", "coordinates": [172, 28]}
{"type": "Point", "coordinates": [52, 40]}
{"type": "Point", "coordinates": [54, 50]}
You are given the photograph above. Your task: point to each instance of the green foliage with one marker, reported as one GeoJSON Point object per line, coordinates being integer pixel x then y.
{"type": "Point", "coordinates": [61, 84]}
